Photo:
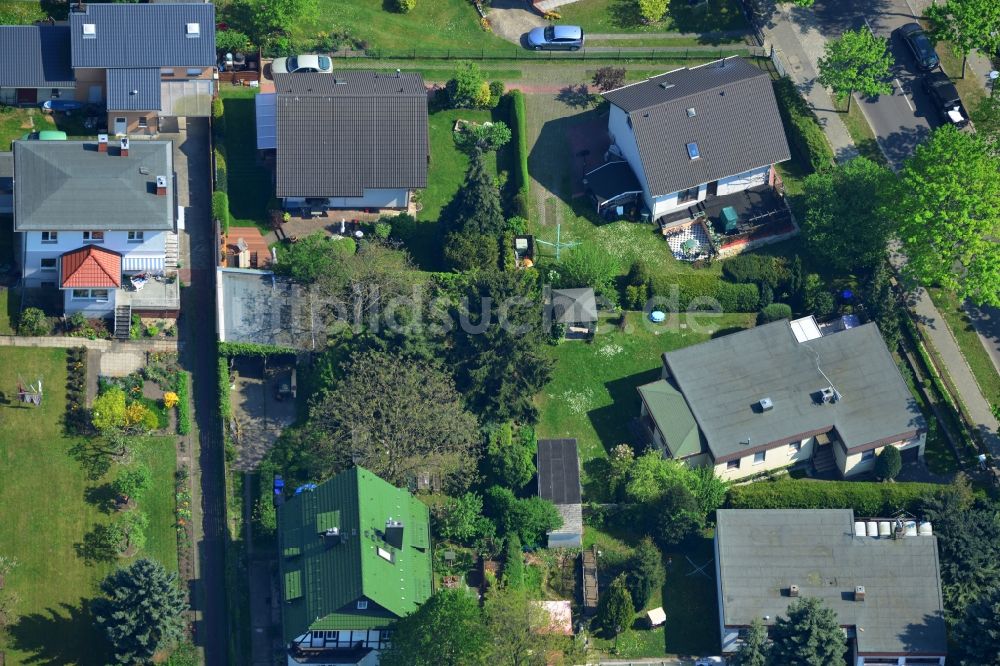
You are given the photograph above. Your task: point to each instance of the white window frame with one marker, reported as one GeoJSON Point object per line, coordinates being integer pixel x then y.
{"type": "Point", "coordinates": [136, 236]}
{"type": "Point", "coordinates": [93, 236]}
{"type": "Point", "coordinates": [362, 604]}
{"type": "Point", "coordinates": [733, 464]}
{"type": "Point", "coordinates": [99, 295]}
{"type": "Point", "coordinates": [143, 122]}
{"type": "Point", "coordinates": [795, 446]}
{"type": "Point", "coordinates": [43, 267]}
{"type": "Point", "coordinates": [762, 457]}
{"type": "Point", "coordinates": [166, 71]}
{"type": "Point", "coordinates": [193, 71]}
{"type": "Point", "coordinates": [868, 455]}
{"type": "Point", "coordinates": [50, 236]}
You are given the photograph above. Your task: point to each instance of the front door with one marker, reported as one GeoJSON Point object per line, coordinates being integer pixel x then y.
{"type": "Point", "coordinates": [121, 125]}
{"type": "Point", "coordinates": [713, 188]}
{"type": "Point", "coordinates": [27, 96]}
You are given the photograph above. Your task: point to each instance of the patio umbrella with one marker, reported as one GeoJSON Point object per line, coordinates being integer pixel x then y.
{"type": "Point", "coordinates": [689, 246]}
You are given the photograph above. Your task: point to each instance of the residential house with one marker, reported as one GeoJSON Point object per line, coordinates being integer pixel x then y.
{"type": "Point", "coordinates": [559, 482]}
{"type": "Point", "coordinates": [351, 139]}
{"type": "Point", "coordinates": [691, 136]}
{"type": "Point", "coordinates": [354, 556]}
{"type": "Point", "coordinates": [149, 64]}
{"type": "Point", "coordinates": [881, 577]}
{"type": "Point", "coordinates": [783, 394]}
{"type": "Point", "coordinates": [36, 64]}
{"type": "Point", "coordinates": [90, 220]}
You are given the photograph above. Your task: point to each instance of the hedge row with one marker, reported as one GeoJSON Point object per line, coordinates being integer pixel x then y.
{"type": "Point", "coordinates": [221, 170]}
{"type": "Point", "coordinates": [220, 209]}
{"type": "Point", "coordinates": [705, 286]}
{"type": "Point", "coordinates": [183, 403]}
{"type": "Point", "coordinates": [867, 499]}
{"type": "Point", "coordinates": [520, 178]}
{"type": "Point", "coordinates": [802, 127]}
{"type": "Point", "coordinates": [252, 349]}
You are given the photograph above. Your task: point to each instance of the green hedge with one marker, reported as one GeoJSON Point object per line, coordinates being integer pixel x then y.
{"type": "Point", "coordinates": [220, 209]}
{"type": "Point", "coordinates": [184, 403]}
{"type": "Point", "coordinates": [252, 349]}
{"type": "Point", "coordinates": [221, 170]}
{"type": "Point", "coordinates": [688, 286]}
{"type": "Point", "coordinates": [867, 499]}
{"type": "Point", "coordinates": [225, 408]}
{"type": "Point", "coordinates": [805, 135]}
{"type": "Point", "coordinates": [519, 176]}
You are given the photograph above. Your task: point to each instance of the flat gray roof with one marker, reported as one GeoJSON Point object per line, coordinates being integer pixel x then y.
{"type": "Point", "coordinates": [723, 380]}
{"type": "Point", "coordinates": [260, 307]}
{"type": "Point", "coordinates": [68, 185]}
{"type": "Point", "coordinates": [763, 552]}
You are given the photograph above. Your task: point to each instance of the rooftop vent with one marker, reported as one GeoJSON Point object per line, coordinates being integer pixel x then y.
{"type": "Point", "coordinates": [691, 112]}
{"type": "Point", "coordinates": [765, 404]}
{"type": "Point", "coordinates": [89, 30]}
{"type": "Point", "coordinates": [192, 30]}
{"type": "Point", "coordinates": [793, 590]}
{"type": "Point", "coordinates": [693, 152]}
{"type": "Point", "coordinates": [859, 592]}
{"type": "Point", "coordinates": [829, 395]}
{"type": "Point", "coordinates": [161, 186]}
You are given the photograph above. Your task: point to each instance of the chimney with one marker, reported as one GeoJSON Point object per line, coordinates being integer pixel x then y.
{"type": "Point", "coordinates": [394, 533]}
{"type": "Point", "coordinates": [793, 590]}
{"type": "Point", "coordinates": [102, 143]}
{"type": "Point", "coordinates": [124, 146]}
{"type": "Point", "coordinates": [331, 536]}
{"type": "Point", "coordinates": [859, 593]}
{"type": "Point", "coordinates": [161, 186]}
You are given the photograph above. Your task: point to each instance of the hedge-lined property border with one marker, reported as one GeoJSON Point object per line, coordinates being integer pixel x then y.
{"type": "Point", "coordinates": [253, 349]}
{"type": "Point", "coordinates": [183, 402]}
{"type": "Point", "coordinates": [519, 121]}
{"type": "Point", "coordinates": [868, 499]}
{"type": "Point", "coordinates": [805, 134]}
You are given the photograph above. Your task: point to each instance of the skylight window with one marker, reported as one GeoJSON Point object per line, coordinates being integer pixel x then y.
{"type": "Point", "coordinates": [385, 554]}
{"type": "Point", "coordinates": [192, 30]}
{"type": "Point", "coordinates": [89, 30]}
{"type": "Point", "coordinates": [691, 112]}
{"type": "Point", "coordinates": [693, 152]}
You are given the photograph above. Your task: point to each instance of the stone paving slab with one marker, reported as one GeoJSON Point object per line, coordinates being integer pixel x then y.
{"type": "Point", "coordinates": [143, 346]}
{"type": "Point", "coordinates": [121, 363]}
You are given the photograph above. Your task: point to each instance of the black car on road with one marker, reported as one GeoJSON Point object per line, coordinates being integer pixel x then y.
{"type": "Point", "coordinates": [920, 46]}
{"type": "Point", "coordinates": [947, 102]}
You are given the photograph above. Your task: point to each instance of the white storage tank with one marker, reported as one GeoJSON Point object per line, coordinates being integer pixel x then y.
{"type": "Point", "coordinates": [883, 528]}
{"type": "Point", "coordinates": [859, 528]}
{"type": "Point", "coordinates": [872, 528]}
{"type": "Point", "coordinates": [911, 528]}
{"type": "Point", "coordinates": [925, 528]}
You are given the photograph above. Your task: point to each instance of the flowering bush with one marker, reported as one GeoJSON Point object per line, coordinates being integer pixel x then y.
{"type": "Point", "coordinates": [170, 399]}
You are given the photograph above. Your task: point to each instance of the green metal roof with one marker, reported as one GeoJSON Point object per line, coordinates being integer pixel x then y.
{"type": "Point", "coordinates": [670, 411]}
{"type": "Point", "coordinates": [335, 576]}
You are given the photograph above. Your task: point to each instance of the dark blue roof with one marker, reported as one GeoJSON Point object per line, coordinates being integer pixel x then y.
{"type": "Point", "coordinates": [134, 89]}
{"type": "Point", "coordinates": [143, 35]}
{"type": "Point", "coordinates": [35, 56]}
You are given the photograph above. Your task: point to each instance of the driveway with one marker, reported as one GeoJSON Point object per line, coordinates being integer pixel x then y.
{"type": "Point", "coordinates": [511, 19]}
{"type": "Point", "coordinates": [904, 118]}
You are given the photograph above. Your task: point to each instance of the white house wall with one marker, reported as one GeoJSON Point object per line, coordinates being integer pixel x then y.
{"type": "Point", "coordinates": [776, 458]}
{"type": "Point", "coordinates": [854, 464]}
{"type": "Point", "coordinates": [152, 246]}
{"type": "Point", "coordinates": [622, 136]}
{"type": "Point", "coordinates": [743, 181]}
{"type": "Point", "coordinates": [93, 309]}
{"type": "Point", "coordinates": [373, 198]}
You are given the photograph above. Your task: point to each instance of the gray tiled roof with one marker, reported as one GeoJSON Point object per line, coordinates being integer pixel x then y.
{"type": "Point", "coordinates": [143, 35]}
{"type": "Point", "coordinates": [35, 56]}
{"type": "Point", "coordinates": [67, 185]}
{"type": "Point", "coordinates": [337, 139]}
{"type": "Point", "coordinates": [735, 123]}
{"type": "Point", "coordinates": [723, 379]}
{"type": "Point", "coordinates": [571, 306]}
{"type": "Point", "coordinates": [763, 552]}
{"type": "Point", "coordinates": [134, 89]}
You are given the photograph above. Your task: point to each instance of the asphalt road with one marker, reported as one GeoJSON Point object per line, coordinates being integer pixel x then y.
{"type": "Point", "coordinates": [905, 118]}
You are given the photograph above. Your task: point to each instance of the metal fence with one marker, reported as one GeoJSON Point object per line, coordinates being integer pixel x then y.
{"type": "Point", "coordinates": [519, 54]}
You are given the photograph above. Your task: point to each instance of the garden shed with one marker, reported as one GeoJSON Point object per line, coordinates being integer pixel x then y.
{"type": "Point", "coordinates": [576, 309]}
{"type": "Point", "coordinates": [559, 482]}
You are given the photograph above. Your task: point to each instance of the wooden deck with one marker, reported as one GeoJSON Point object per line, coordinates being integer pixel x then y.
{"type": "Point", "coordinates": [257, 254]}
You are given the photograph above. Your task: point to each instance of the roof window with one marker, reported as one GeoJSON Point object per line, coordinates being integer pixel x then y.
{"type": "Point", "coordinates": [89, 30]}
{"type": "Point", "coordinates": [691, 113]}
{"type": "Point", "coordinates": [192, 30]}
{"type": "Point", "coordinates": [693, 152]}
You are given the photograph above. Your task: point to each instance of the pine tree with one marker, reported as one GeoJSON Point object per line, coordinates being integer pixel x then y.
{"type": "Point", "coordinates": [977, 634]}
{"type": "Point", "coordinates": [883, 306]}
{"type": "Point", "coordinates": [754, 649]}
{"type": "Point", "coordinates": [615, 611]}
{"type": "Point", "coordinates": [142, 610]}
{"type": "Point", "coordinates": [810, 636]}
{"type": "Point", "coordinates": [644, 572]}
{"type": "Point", "coordinates": [476, 208]}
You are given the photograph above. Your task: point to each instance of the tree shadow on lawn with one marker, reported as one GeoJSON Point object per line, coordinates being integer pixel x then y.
{"type": "Point", "coordinates": [103, 497]}
{"type": "Point", "coordinates": [690, 601]}
{"type": "Point", "coordinates": [550, 159]}
{"type": "Point", "coordinates": [66, 634]}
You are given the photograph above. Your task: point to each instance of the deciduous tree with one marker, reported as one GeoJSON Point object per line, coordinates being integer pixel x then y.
{"type": "Point", "coordinates": [947, 215]}
{"type": "Point", "coordinates": [313, 256]}
{"type": "Point", "coordinates": [529, 518]}
{"type": "Point", "coordinates": [142, 611]}
{"type": "Point", "coordinates": [845, 223]}
{"type": "Point", "coordinates": [857, 61]}
{"type": "Point", "coordinates": [510, 455]}
{"type": "Point", "coordinates": [468, 88]}
{"type": "Point", "coordinates": [446, 630]}
{"type": "Point", "coordinates": [608, 78]}
{"type": "Point", "coordinates": [131, 482]}
{"type": "Point", "coordinates": [967, 24]}
{"type": "Point", "coordinates": [676, 516]}
{"type": "Point", "coordinates": [395, 416]}
{"type": "Point", "coordinates": [809, 636]}
{"type": "Point", "coordinates": [652, 11]}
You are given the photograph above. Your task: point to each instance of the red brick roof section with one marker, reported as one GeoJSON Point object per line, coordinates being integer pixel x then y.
{"type": "Point", "coordinates": [91, 267]}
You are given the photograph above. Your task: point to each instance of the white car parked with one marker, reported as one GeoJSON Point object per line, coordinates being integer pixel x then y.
{"type": "Point", "coordinates": [302, 63]}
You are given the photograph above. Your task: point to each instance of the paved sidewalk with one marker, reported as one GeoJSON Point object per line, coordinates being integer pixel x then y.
{"type": "Point", "coordinates": [799, 47]}
{"type": "Point", "coordinates": [667, 35]}
{"type": "Point", "coordinates": [100, 345]}
{"type": "Point", "coordinates": [979, 64]}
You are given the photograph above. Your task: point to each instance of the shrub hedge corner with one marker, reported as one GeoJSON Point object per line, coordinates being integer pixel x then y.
{"type": "Point", "coordinates": [805, 135]}
{"type": "Point", "coordinates": [868, 499]}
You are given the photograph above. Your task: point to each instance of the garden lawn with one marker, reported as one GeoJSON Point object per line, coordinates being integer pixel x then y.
{"type": "Point", "coordinates": [968, 341]}
{"type": "Point", "coordinates": [592, 395]}
{"type": "Point", "coordinates": [432, 25]}
{"type": "Point", "coordinates": [46, 513]}
{"type": "Point", "coordinates": [689, 602]}
{"type": "Point", "coordinates": [622, 16]}
{"type": "Point", "coordinates": [249, 183]}
{"type": "Point", "coordinates": [445, 176]}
